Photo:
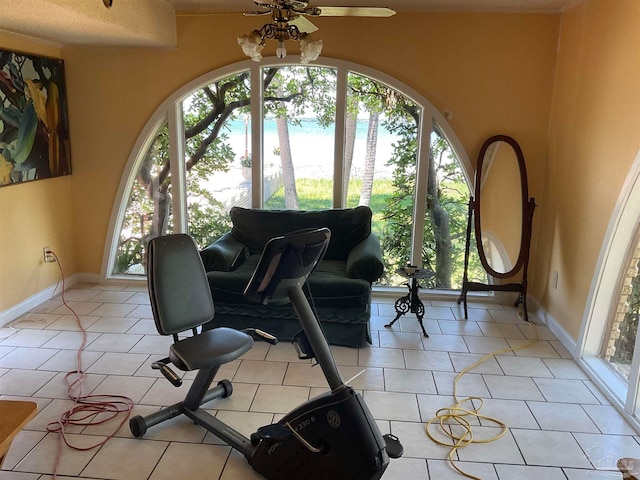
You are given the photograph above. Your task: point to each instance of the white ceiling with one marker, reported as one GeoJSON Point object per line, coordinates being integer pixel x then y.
{"type": "Point", "coordinates": [153, 22]}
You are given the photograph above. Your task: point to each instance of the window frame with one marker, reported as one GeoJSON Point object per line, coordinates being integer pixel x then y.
{"type": "Point", "coordinates": [621, 235]}
{"type": "Point", "coordinates": [170, 111]}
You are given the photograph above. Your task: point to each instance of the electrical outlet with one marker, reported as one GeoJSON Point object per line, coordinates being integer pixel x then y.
{"type": "Point", "coordinates": [47, 257]}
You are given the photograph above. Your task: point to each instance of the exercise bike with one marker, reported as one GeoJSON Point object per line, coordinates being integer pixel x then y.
{"type": "Point", "coordinates": [332, 436]}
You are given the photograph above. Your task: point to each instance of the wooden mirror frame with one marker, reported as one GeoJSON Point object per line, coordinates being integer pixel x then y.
{"type": "Point", "coordinates": [522, 263]}
{"type": "Point", "coordinates": [525, 232]}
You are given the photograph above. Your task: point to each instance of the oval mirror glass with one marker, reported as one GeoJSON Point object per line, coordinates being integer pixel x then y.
{"type": "Point", "coordinates": [501, 200]}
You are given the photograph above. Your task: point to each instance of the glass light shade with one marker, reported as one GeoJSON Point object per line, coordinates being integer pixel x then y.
{"type": "Point", "coordinates": [252, 45]}
{"type": "Point", "coordinates": [309, 48]}
{"type": "Point", "coordinates": [281, 51]}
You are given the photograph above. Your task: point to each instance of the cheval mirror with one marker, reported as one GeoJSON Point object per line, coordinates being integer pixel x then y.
{"type": "Point", "coordinates": [500, 215]}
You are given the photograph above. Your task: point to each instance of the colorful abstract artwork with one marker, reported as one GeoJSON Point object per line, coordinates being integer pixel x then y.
{"type": "Point", "coordinates": [34, 123]}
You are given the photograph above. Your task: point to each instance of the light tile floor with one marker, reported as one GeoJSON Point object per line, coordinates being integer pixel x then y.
{"type": "Point", "coordinates": [560, 425]}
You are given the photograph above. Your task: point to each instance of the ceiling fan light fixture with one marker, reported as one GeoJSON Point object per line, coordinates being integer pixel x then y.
{"type": "Point", "coordinates": [310, 49]}
{"type": "Point", "coordinates": [252, 45]}
{"type": "Point", "coordinates": [281, 51]}
{"type": "Point", "coordinates": [289, 22]}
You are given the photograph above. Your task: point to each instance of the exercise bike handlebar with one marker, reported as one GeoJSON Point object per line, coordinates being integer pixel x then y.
{"type": "Point", "coordinates": [283, 269]}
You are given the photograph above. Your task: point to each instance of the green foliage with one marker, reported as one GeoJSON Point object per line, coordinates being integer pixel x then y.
{"type": "Point", "coordinates": [208, 217]}
{"type": "Point", "coordinates": [625, 343]}
{"type": "Point", "coordinates": [296, 92]}
{"type": "Point", "coordinates": [207, 151]}
{"type": "Point", "coordinates": [206, 113]}
{"type": "Point", "coordinates": [139, 213]}
{"type": "Point", "coordinates": [245, 161]}
{"type": "Point", "coordinates": [451, 193]}
{"type": "Point", "coordinates": [207, 224]}
{"type": "Point", "coordinates": [398, 213]}
{"type": "Point", "coordinates": [129, 253]}
{"type": "Point", "coordinates": [369, 95]}
{"type": "Point", "coordinates": [312, 196]}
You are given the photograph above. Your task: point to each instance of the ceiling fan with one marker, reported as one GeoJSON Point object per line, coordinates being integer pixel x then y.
{"type": "Point", "coordinates": [297, 11]}
{"type": "Point", "coordinates": [289, 21]}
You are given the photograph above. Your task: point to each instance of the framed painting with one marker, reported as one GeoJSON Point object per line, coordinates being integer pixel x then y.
{"type": "Point", "coordinates": [34, 123]}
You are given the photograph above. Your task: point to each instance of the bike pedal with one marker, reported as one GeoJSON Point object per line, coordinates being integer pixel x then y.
{"type": "Point", "coordinates": [394, 447]}
{"type": "Point", "coordinates": [275, 433]}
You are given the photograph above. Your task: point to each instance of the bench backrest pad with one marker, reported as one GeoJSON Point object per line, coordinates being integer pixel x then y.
{"type": "Point", "coordinates": [255, 227]}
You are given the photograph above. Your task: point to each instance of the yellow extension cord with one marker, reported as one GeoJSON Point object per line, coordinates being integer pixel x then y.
{"type": "Point", "coordinates": [457, 414]}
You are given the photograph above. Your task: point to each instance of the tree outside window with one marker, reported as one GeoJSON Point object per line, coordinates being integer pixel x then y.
{"type": "Point", "coordinates": [299, 118]}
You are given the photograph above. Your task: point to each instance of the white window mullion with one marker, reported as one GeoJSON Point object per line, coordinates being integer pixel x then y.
{"type": "Point", "coordinates": [422, 174]}
{"type": "Point", "coordinates": [339, 192]}
{"type": "Point", "coordinates": [177, 166]}
{"type": "Point", "coordinates": [171, 111]}
{"type": "Point", "coordinates": [257, 122]}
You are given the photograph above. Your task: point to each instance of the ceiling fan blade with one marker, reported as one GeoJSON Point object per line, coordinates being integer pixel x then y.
{"type": "Point", "coordinates": [296, 4]}
{"type": "Point", "coordinates": [304, 24]}
{"type": "Point", "coordinates": [257, 13]}
{"type": "Point", "coordinates": [267, 3]}
{"type": "Point", "coordinates": [355, 12]}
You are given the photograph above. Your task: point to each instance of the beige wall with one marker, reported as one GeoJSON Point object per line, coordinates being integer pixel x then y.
{"type": "Point", "coordinates": [32, 216]}
{"type": "Point", "coordinates": [594, 138]}
{"type": "Point", "coordinates": [493, 71]}
{"type": "Point", "coordinates": [487, 69]}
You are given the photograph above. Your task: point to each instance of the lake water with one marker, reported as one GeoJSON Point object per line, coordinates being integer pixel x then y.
{"type": "Point", "coordinates": [312, 151]}
{"type": "Point", "coordinates": [312, 146]}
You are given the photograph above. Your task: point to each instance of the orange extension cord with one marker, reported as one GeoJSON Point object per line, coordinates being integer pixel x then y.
{"type": "Point", "coordinates": [87, 410]}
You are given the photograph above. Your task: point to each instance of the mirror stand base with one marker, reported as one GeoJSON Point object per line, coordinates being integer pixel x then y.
{"type": "Point", "coordinates": [520, 288]}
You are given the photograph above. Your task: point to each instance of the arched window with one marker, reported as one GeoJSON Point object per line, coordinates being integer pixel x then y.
{"type": "Point", "coordinates": [280, 136]}
{"type": "Point", "coordinates": [608, 339]}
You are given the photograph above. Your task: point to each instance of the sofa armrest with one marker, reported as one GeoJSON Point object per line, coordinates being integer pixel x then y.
{"type": "Point", "coordinates": [365, 260]}
{"type": "Point", "coordinates": [225, 254]}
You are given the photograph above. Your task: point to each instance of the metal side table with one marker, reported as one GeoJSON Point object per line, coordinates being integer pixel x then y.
{"type": "Point", "coordinates": [411, 302]}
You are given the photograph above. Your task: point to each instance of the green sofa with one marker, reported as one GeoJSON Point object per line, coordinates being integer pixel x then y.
{"type": "Point", "coordinates": [340, 286]}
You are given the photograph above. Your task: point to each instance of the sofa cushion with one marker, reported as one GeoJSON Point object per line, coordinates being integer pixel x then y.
{"type": "Point", "coordinates": [328, 285]}
{"type": "Point", "coordinates": [254, 227]}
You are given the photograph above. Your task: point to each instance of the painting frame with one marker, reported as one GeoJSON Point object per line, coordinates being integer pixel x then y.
{"type": "Point", "coordinates": [34, 119]}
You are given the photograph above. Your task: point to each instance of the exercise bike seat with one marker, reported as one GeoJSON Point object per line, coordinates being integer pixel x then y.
{"type": "Point", "coordinates": [209, 349]}
{"type": "Point", "coordinates": [181, 303]}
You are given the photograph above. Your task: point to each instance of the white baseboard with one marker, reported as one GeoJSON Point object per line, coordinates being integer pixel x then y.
{"type": "Point", "coordinates": [558, 330]}
{"type": "Point", "coordinates": [15, 312]}
{"type": "Point", "coordinates": [603, 378]}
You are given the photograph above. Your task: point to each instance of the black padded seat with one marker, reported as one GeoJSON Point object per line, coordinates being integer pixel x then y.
{"type": "Point", "coordinates": [181, 302]}
{"type": "Point", "coordinates": [211, 348]}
